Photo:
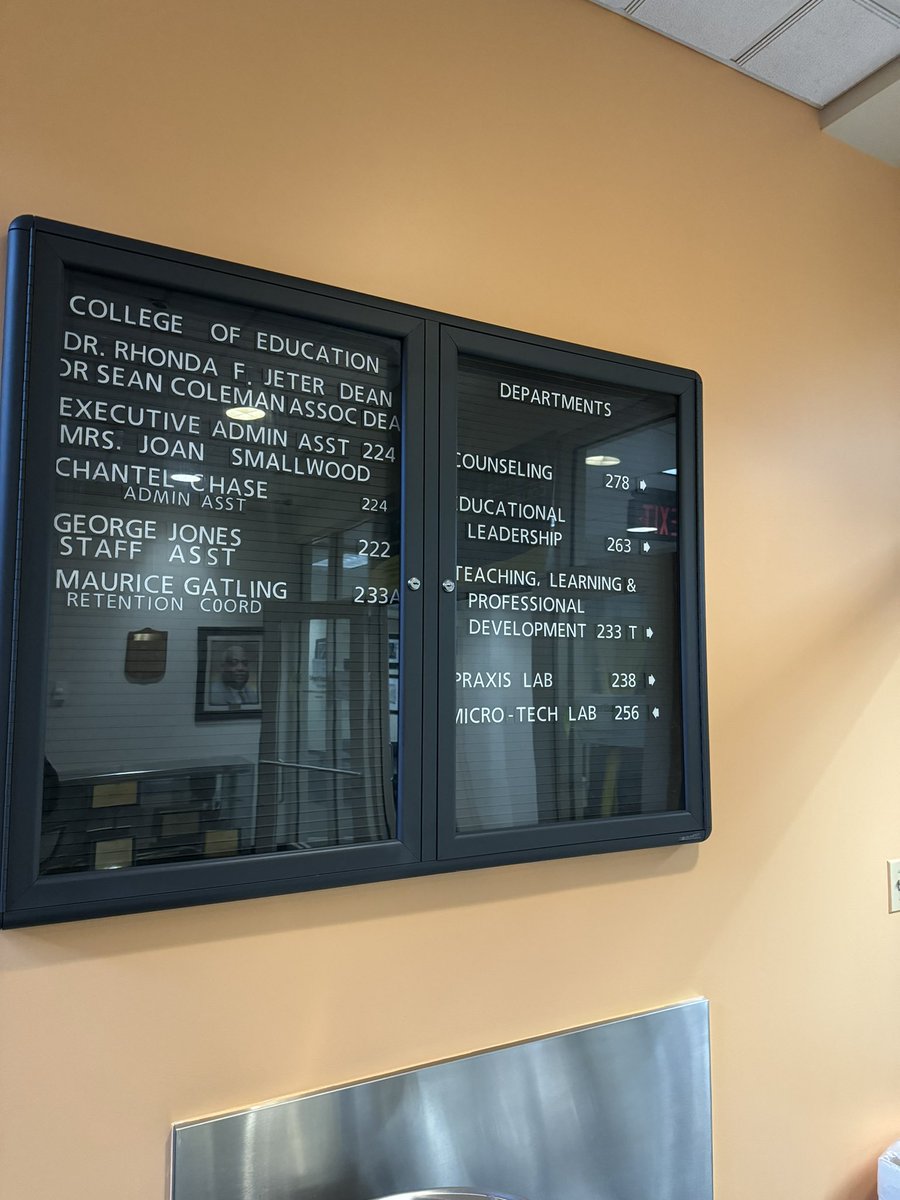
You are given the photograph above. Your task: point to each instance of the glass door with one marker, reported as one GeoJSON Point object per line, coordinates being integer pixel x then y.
{"type": "Point", "coordinates": [565, 707]}
{"type": "Point", "coordinates": [230, 657]}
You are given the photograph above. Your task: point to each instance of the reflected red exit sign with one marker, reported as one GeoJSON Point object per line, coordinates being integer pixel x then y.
{"type": "Point", "coordinates": [656, 512]}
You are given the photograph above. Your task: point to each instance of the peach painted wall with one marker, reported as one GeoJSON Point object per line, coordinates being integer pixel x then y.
{"type": "Point", "coordinates": [540, 164]}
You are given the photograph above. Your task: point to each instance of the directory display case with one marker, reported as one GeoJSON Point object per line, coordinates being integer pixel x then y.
{"type": "Point", "coordinates": [303, 588]}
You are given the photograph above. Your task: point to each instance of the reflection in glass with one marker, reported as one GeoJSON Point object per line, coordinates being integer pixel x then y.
{"type": "Point", "coordinates": [224, 652]}
{"type": "Point", "coordinates": [567, 648]}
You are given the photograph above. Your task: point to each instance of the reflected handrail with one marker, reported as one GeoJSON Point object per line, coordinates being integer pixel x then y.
{"type": "Point", "coordinates": [280, 762]}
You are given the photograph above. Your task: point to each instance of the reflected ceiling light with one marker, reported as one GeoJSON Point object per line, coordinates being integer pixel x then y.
{"type": "Point", "coordinates": [349, 561]}
{"type": "Point", "coordinates": [602, 460]}
{"type": "Point", "coordinates": [245, 414]}
{"type": "Point", "coordinates": [641, 529]}
{"type": "Point", "coordinates": [670, 471]}
{"type": "Point", "coordinates": [181, 477]}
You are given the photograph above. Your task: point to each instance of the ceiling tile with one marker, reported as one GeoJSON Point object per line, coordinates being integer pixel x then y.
{"type": "Point", "coordinates": [830, 47]}
{"type": "Point", "coordinates": [724, 28]}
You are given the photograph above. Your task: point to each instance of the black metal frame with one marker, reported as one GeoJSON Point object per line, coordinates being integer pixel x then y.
{"type": "Point", "coordinates": [39, 250]}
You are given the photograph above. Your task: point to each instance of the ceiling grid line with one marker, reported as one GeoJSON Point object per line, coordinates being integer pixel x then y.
{"type": "Point", "coordinates": [782, 27]}
{"type": "Point", "coordinates": [878, 10]}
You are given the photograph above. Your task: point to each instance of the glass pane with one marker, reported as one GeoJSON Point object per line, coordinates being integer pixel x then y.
{"type": "Point", "coordinates": [567, 650]}
{"type": "Point", "coordinates": [224, 634]}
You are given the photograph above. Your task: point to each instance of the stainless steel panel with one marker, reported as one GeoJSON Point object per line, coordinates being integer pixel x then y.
{"type": "Point", "coordinates": [618, 1111]}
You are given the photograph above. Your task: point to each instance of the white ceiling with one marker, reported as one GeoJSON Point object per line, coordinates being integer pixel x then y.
{"type": "Point", "coordinates": [837, 55]}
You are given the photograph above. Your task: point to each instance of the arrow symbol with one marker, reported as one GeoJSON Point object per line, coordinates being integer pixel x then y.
{"type": "Point", "coordinates": [655, 714]}
{"type": "Point", "coordinates": [642, 484]}
{"type": "Point", "coordinates": [645, 547]}
{"type": "Point", "coordinates": [651, 679]}
{"type": "Point", "coordinates": [649, 632]}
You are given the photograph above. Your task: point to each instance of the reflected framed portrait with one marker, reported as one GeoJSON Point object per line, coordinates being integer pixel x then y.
{"type": "Point", "coordinates": [318, 666]}
{"type": "Point", "coordinates": [229, 663]}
